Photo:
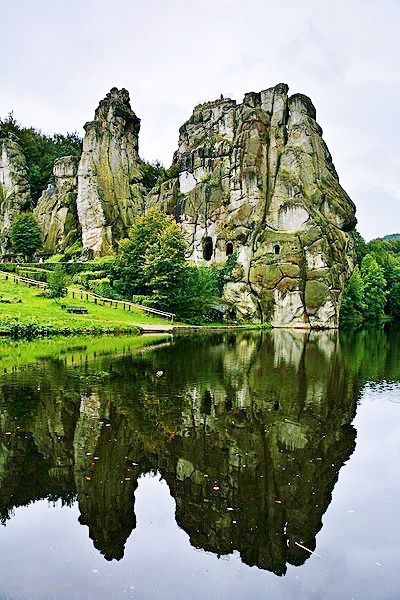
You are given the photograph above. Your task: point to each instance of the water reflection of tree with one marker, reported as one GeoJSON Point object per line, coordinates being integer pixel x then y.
{"type": "Point", "coordinates": [264, 419]}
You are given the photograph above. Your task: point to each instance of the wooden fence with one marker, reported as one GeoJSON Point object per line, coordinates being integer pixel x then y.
{"type": "Point", "coordinates": [90, 296]}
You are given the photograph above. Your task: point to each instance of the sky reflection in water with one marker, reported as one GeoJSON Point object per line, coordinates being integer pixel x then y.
{"type": "Point", "coordinates": [150, 468]}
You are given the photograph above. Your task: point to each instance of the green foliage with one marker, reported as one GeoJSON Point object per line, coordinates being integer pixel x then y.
{"type": "Point", "coordinates": [195, 294]}
{"type": "Point", "coordinates": [164, 266]}
{"type": "Point", "coordinates": [127, 273]}
{"type": "Point", "coordinates": [360, 245]}
{"type": "Point", "coordinates": [351, 310]}
{"type": "Point", "coordinates": [8, 267]}
{"type": "Point", "coordinates": [27, 328]}
{"type": "Point", "coordinates": [56, 258]}
{"type": "Point", "coordinates": [223, 274]}
{"type": "Point", "coordinates": [374, 289]}
{"type": "Point", "coordinates": [57, 281]}
{"type": "Point", "coordinates": [392, 276]}
{"type": "Point", "coordinates": [154, 173]}
{"type": "Point", "coordinates": [391, 237]}
{"type": "Point", "coordinates": [75, 249]}
{"type": "Point", "coordinates": [32, 273]}
{"type": "Point", "coordinates": [41, 151]}
{"type": "Point", "coordinates": [380, 274]}
{"type": "Point", "coordinates": [25, 235]}
{"type": "Point", "coordinates": [152, 265]}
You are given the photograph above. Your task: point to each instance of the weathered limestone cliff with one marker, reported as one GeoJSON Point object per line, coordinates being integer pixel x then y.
{"type": "Point", "coordinates": [56, 210]}
{"type": "Point", "coordinates": [257, 179]}
{"type": "Point", "coordinates": [14, 186]}
{"type": "Point", "coordinates": [109, 174]}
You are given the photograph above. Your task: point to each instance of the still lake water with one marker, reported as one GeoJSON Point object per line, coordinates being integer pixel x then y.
{"type": "Point", "coordinates": [259, 465]}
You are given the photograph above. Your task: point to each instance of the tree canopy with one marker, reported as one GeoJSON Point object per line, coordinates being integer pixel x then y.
{"type": "Point", "coordinates": [25, 235]}
{"type": "Point", "coordinates": [152, 265]}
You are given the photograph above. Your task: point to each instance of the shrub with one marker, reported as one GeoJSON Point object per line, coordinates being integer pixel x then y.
{"type": "Point", "coordinates": [25, 235]}
{"type": "Point", "coordinates": [75, 249]}
{"type": "Point", "coordinates": [57, 283]}
{"type": "Point", "coordinates": [30, 273]}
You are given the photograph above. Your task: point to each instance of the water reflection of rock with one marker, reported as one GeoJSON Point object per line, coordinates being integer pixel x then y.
{"type": "Point", "coordinates": [263, 419]}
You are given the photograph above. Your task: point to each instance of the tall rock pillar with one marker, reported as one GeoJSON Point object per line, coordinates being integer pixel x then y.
{"type": "Point", "coordinates": [110, 192]}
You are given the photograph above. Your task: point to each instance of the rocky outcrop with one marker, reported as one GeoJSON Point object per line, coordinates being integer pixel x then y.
{"type": "Point", "coordinates": [14, 186]}
{"type": "Point", "coordinates": [56, 210]}
{"type": "Point", "coordinates": [257, 180]}
{"type": "Point", "coordinates": [109, 174]}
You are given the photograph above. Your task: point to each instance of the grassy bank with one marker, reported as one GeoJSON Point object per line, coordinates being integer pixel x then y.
{"type": "Point", "coordinates": [30, 308]}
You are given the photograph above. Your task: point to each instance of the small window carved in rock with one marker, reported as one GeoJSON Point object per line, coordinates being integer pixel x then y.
{"type": "Point", "coordinates": [207, 248]}
{"type": "Point", "coordinates": [229, 248]}
{"type": "Point", "coordinates": [277, 249]}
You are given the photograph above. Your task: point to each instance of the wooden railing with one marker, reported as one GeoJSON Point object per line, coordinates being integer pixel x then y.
{"type": "Point", "coordinates": [89, 296]}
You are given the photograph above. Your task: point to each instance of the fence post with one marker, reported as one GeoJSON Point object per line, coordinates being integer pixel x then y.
{"type": "Point", "coordinates": [73, 294]}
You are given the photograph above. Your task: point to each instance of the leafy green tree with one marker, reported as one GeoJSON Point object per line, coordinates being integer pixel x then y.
{"type": "Point", "coordinates": [165, 265]}
{"type": "Point", "coordinates": [392, 276]}
{"type": "Point", "coordinates": [127, 273]}
{"type": "Point", "coordinates": [57, 281]}
{"type": "Point", "coordinates": [196, 294]}
{"type": "Point", "coordinates": [374, 289]}
{"type": "Point", "coordinates": [360, 245]}
{"type": "Point", "coordinates": [25, 235]}
{"type": "Point", "coordinates": [351, 310]}
{"type": "Point", "coordinates": [153, 173]}
{"type": "Point", "coordinates": [152, 263]}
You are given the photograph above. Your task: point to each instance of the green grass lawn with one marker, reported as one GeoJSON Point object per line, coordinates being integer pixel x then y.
{"type": "Point", "coordinates": [49, 312]}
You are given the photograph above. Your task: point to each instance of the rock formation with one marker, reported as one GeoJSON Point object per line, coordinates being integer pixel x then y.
{"type": "Point", "coordinates": [109, 174]}
{"type": "Point", "coordinates": [14, 186]}
{"type": "Point", "coordinates": [56, 210]}
{"type": "Point", "coordinates": [256, 179]}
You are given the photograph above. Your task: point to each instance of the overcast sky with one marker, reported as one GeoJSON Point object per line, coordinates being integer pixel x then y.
{"type": "Point", "coordinates": [58, 58]}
